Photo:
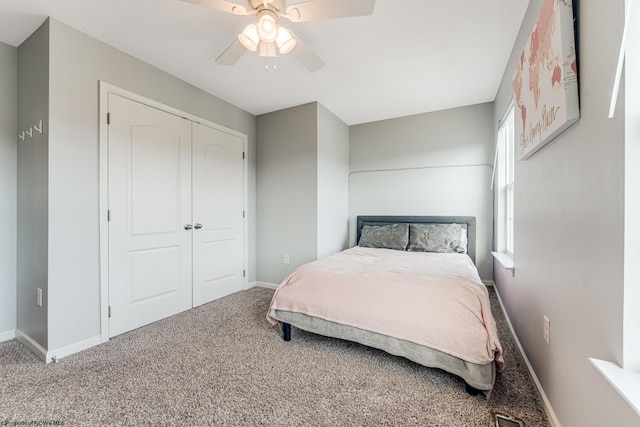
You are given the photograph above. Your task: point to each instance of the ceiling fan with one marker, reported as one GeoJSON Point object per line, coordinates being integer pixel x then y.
{"type": "Point", "coordinates": [267, 34]}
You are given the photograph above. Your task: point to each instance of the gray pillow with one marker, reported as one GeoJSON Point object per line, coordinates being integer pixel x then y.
{"type": "Point", "coordinates": [392, 236]}
{"type": "Point", "coordinates": [443, 238]}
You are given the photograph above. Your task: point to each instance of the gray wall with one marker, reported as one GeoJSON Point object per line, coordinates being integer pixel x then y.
{"type": "Point", "coordinates": [569, 234]}
{"type": "Point", "coordinates": [8, 185]}
{"type": "Point", "coordinates": [33, 166]}
{"type": "Point", "coordinates": [333, 183]}
{"type": "Point", "coordinates": [287, 179]}
{"type": "Point", "coordinates": [77, 63]}
{"type": "Point", "coordinates": [429, 164]}
{"type": "Point", "coordinates": [302, 176]}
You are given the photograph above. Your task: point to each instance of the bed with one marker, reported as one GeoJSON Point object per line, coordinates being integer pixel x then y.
{"type": "Point", "coordinates": [410, 288]}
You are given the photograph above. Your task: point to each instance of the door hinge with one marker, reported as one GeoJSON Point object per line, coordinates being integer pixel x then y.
{"type": "Point", "coordinates": [109, 312]}
{"type": "Point", "coordinates": [108, 215]}
{"type": "Point", "coordinates": [244, 273]}
{"type": "Point", "coordinates": [108, 118]}
{"type": "Point", "coordinates": [243, 214]}
{"type": "Point", "coordinates": [243, 155]}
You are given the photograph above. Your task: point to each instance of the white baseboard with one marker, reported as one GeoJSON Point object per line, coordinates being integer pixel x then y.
{"type": "Point", "coordinates": [266, 285]}
{"type": "Point", "coordinates": [25, 339]}
{"type": "Point", "coordinates": [54, 355]}
{"type": "Point", "coordinates": [553, 419]}
{"type": "Point", "coordinates": [488, 282]}
{"type": "Point", "coordinates": [76, 347]}
{"type": "Point", "coordinates": [7, 335]}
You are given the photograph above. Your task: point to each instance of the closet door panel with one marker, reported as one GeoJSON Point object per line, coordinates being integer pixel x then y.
{"type": "Point", "coordinates": [150, 251]}
{"type": "Point", "coordinates": [218, 209]}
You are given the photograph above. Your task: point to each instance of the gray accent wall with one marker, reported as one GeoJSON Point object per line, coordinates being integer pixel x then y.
{"type": "Point", "coordinates": [287, 179]}
{"type": "Point", "coordinates": [302, 170]}
{"type": "Point", "coordinates": [569, 233]}
{"type": "Point", "coordinates": [33, 182]}
{"type": "Point", "coordinates": [435, 163]}
{"type": "Point", "coordinates": [8, 185]}
{"type": "Point", "coordinates": [66, 200]}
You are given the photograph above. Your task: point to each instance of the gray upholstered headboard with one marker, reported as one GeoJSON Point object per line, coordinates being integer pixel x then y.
{"type": "Point", "coordinates": [382, 220]}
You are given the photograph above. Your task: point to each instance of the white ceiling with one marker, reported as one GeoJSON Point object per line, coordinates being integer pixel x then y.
{"type": "Point", "coordinates": [409, 57]}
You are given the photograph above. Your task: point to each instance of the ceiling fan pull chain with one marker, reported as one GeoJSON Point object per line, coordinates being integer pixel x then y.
{"type": "Point", "coordinates": [275, 64]}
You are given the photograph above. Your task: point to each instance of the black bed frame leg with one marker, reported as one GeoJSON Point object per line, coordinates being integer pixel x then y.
{"type": "Point", "coordinates": [472, 390]}
{"type": "Point", "coordinates": [286, 331]}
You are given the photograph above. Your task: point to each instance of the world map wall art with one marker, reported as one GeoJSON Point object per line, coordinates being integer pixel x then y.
{"type": "Point", "coordinates": [545, 83]}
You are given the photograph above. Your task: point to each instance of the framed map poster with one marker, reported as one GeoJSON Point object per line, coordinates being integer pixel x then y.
{"type": "Point", "coordinates": [545, 83]}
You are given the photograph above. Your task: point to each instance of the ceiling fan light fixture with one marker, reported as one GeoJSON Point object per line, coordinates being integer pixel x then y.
{"type": "Point", "coordinates": [267, 49]}
{"type": "Point", "coordinates": [284, 40]}
{"type": "Point", "coordinates": [249, 37]}
{"type": "Point", "coordinates": [267, 28]}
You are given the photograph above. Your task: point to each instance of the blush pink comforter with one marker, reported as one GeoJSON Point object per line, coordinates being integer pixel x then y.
{"type": "Point", "coordinates": [432, 299]}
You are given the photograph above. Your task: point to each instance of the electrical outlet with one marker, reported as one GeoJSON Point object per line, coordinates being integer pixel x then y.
{"type": "Point", "coordinates": [546, 329]}
{"type": "Point", "coordinates": [39, 297]}
{"type": "Point", "coordinates": [287, 259]}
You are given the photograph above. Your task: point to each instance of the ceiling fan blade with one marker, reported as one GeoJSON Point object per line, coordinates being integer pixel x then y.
{"type": "Point", "coordinates": [315, 10]}
{"type": "Point", "coordinates": [223, 5]}
{"type": "Point", "coordinates": [231, 55]}
{"type": "Point", "coordinates": [305, 55]}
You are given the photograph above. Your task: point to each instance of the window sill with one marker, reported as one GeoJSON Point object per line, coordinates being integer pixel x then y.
{"type": "Point", "coordinates": [505, 260]}
{"type": "Point", "coordinates": [625, 382]}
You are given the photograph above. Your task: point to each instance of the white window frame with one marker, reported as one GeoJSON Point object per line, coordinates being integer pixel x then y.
{"type": "Point", "coordinates": [505, 183]}
{"type": "Point", "coordinates": [508, 126]}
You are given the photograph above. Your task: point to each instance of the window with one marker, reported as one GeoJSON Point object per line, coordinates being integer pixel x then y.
{"type": "Point", "coordinates": [626, 378]}
{"type": "Point", "coordinates": [508, 137]}
{"type": "Point", "coordinates": [504, 171]}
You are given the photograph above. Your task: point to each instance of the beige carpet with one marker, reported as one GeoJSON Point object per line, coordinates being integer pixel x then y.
{"type": "Point", "coordinates": [223, 364]}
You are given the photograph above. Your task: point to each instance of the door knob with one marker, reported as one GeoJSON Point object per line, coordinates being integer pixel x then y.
{"type": "Point", "coordinates": [198, 226]}
{"type": "Point", "coordinates": [188, 226]}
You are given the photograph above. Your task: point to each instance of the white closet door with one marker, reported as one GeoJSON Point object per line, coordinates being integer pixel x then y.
{"type": "Point", "coordinates": [218, 209]}
{"type": "Point", "coordinates": [150, 203]}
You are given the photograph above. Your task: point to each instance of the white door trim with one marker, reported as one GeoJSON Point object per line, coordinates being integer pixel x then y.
{"type": "Point", "coordinates": [103, 151]}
